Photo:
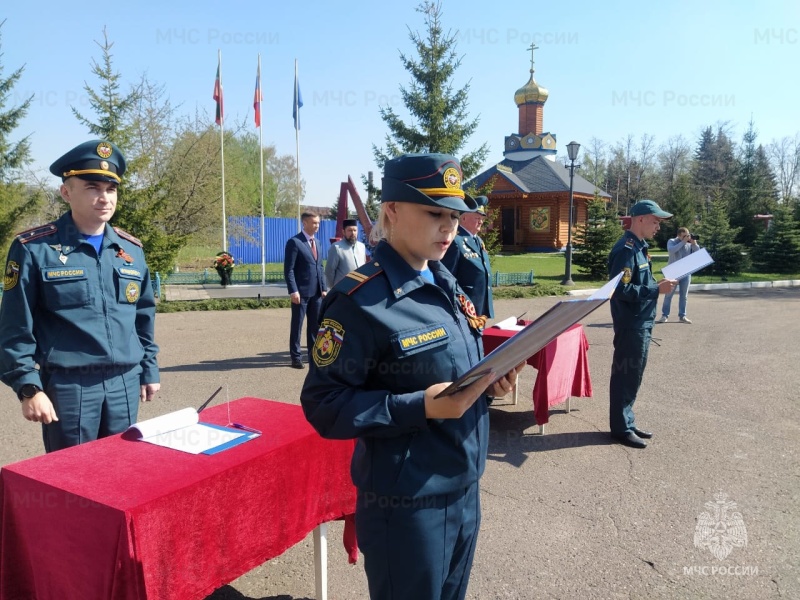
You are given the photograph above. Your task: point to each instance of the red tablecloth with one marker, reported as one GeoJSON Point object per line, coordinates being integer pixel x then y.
{"type": "Point", "coordinates": [123, 519]}
{"type": "Point", "coordinates": [563, 368]}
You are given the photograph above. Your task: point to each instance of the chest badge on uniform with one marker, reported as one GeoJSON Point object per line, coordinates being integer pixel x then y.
{"type": "Point", "coordinates": [132, 292]}
{"type": "Point", "coordinates": [468, 308]}
{"type": "Point", "coordinates": [330, 337]}
{"type": "Point", "coordinates": [11, 276]}
{"type": "Point", "coordinates": [626, 275]}
{"type": "Point", "coordinates": [125, 256]}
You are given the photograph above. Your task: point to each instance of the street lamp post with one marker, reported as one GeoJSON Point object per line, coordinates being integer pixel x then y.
{"type": "Point", "coordinates": [572, 152]}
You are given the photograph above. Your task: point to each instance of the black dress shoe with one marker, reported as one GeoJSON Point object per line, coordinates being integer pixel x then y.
{"type": "Point", "coordinates": [298, 364]}
{"type": "Point", "coordinates": [629, 439]}
{"type": "Point", "coordinates": [646, 435]}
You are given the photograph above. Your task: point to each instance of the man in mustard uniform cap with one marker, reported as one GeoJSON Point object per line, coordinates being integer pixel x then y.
{"type": "Point", "coordinates": [77, 314]}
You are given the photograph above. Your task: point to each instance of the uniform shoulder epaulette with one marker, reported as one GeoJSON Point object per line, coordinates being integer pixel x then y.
{"type": "Point", "coordinates": [36, 232]}
{"type": "Point", "coordinates": [355, 279]}
{"type": "Point", "coordinates": [127, 236]}
{"type": "Point", "coordinates": [630, 244]}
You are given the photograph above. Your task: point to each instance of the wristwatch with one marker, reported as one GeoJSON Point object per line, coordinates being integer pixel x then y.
{"type": "Point", "coordinates": [27, 391]}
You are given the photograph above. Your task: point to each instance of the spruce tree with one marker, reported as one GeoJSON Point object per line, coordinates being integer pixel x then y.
{"type": "Point", "coordinates": [756, 190]}
{"type": "Point", "coordinates": [594, 240]}
{"type": "Point", "coordinates": [682, 203]}
{"type": "Point", "coordinates": [717, 236]}
{"type": "Point", "coordinates": [441, 122]}
{"type": "Point", "coordinates": [15, 200]}
{"type": "Point", "coordinates": [777, 248]}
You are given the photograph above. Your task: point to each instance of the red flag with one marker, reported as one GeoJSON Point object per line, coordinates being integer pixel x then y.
{"type": "Point", "coordinates": [257, 98]}
{"type": "Point", "coordinates": [218, 97]}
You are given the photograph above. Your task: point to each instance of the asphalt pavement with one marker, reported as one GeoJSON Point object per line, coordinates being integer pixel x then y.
{"type": "Point", "coordinates": [569, 514]}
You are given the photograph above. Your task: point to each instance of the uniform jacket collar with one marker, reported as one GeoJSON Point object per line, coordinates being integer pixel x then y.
{"type": "Point", "coordinates": [403, 279]}
{"type": "Point", "coordinates": [70, 238]}
{"type": "Point", "coordinates": [637, 243]}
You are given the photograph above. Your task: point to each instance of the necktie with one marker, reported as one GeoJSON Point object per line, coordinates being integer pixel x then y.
{"type": "Point", "coordinates": [313, 248]}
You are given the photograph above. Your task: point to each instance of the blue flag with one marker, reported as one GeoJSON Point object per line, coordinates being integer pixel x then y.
{"type": "Point", "coordinates": [298, 102]}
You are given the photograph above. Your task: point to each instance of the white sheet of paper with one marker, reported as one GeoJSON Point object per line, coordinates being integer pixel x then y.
{"type": "Point", "coordinates": [164, 423]}
{"type": "Point", "coordinates": [509, 324]}
{"type": "Point", "coordinates": [688, 265]}
{"type": "Point", "coordinates": [181, 430]}
{"type": "Point", "coordinates": [193, 439]}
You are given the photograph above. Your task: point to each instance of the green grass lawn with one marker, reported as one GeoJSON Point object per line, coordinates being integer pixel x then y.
{"type": "Point", "coordinates": [548, 268]}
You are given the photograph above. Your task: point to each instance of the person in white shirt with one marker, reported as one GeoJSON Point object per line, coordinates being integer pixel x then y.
{"type": "Point", "coordinates": [345, 255]}
{"type": "Point", "coordinates": [679, 247]}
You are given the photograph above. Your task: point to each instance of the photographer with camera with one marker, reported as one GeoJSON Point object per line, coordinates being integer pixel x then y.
{"type": "Point", "coordinates": [679, 247]}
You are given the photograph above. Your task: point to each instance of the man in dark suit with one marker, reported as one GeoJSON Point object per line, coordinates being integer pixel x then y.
{"type": "Point", "coordinates": [305, 279]}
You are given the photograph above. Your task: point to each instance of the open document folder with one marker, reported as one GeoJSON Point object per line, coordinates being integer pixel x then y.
{"type": "Point", "coordinates": [688, 265]}
{"type": "Point", "coordinates": [181, 430]}
{"type": "Point", "coordinates": [534, 337]}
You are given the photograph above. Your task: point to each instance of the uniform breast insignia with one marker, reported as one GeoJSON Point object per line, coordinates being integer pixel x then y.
{"type": "Point", "coordinates": [36, 232]}
{"type": "Point", "coordinates": [330, 337]}
{"type": "Point", "coordinates": [467, 251]}
{"type": "Point", "coordinates": [63, 274]}
{"type": "Point", "coordinates": [626, 275]}
{"type": "Point", "coordinates": [11, 276]}
{"type": "Point", "coordinates": [132, 292]}
{"type": "Point", "coordinates": [468, 308]}
{"type": "Point", "coordinates": [127, 236]}
{"type": "Point", "coordinates": [125, 256]}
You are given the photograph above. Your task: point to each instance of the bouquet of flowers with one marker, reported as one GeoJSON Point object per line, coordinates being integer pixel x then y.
{"type": "Point", "coordinates": [223, 263]}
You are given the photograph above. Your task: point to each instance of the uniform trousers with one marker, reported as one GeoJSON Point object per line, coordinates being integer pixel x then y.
{"type": "Point", "coordinates": [91, 403]}
{"type": "Point", "coordinates": [308, 307]}
{"type": "Point", "coordinates": [418, 548]}
{"type": "Point", "coordinates": [631, 347]}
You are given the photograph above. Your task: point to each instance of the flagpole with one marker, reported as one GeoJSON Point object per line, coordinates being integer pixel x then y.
{"type": "Point", "coordinates": [222, 155]}
{"type": "Point", "coordinates": [261, 164]}
{"type": "Point", "coordinates": [297, 142]}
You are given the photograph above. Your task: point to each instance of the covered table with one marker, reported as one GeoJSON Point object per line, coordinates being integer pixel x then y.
{"type": "Point", "coordinates": [122, 519]}
{"type": "Point", "coordinates": [563, 368]}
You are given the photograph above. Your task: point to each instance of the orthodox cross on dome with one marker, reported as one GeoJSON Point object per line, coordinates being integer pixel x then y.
{"type": "Point", "coordinates": [532, 48]}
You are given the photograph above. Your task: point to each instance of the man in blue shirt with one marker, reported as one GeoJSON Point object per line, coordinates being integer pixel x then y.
{"type": "Point", "coordinates": [78, 312]}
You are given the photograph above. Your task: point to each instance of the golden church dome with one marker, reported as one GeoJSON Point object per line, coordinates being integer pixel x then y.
{"type": "Point", "coordinates": [531, 92]}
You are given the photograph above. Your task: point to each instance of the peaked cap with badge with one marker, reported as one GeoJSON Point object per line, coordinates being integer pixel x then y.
{"type": "Point", "coordinates": [429, 179]}
{"type": "Point", "coordinates": [482, 202]}
{"type": "Point", "coordinates": [95, 160]}
{"type": "Point", "coordinates": [74, 304]}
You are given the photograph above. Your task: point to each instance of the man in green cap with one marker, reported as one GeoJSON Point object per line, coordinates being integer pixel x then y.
{"type": "Point", "coordinates": [78, 312]}
{"type": "Point", "coordinates": [633, 310]}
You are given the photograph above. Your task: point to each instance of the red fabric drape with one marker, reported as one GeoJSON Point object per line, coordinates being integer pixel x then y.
{"type": "Point", "coordinates": [563, 368]}
{"type": "Point", "coordinates": [126, 519]}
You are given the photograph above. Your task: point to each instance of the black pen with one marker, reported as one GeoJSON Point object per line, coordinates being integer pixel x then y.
{"type": "Point", "coordinates": [214, 395]}
{"type": "Point", "coordinates": [246, 428]}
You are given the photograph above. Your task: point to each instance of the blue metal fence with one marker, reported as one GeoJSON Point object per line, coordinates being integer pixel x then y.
{"type": "Point", "coordinates": [244, 238]}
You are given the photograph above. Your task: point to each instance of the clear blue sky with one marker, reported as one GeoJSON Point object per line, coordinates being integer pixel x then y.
{"type": "Point", "coordinates": [612, 68]}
